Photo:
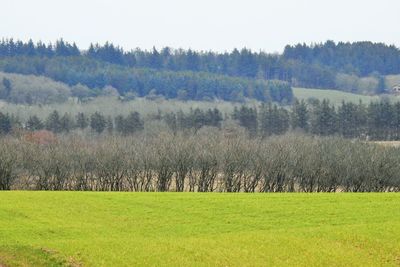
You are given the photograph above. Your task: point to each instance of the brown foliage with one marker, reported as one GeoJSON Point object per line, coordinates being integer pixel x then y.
{"type": "Point", "coordinates": [42, 137]}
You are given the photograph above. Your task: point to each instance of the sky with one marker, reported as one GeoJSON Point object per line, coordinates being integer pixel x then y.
{"type": "Point", "coordinates": [218, 25]}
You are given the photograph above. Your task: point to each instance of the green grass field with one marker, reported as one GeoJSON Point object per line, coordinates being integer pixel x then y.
{"type": "Point", "coordinates": [184, 229]}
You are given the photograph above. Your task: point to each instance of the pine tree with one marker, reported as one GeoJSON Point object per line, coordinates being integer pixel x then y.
{"type": "Point", "coordinates": [266, 120]}
{"type": "Point", "coordinates": [299, 116]}
{"type": "Point", "coordinates": [7, 88]}
{"type": "Point", "coordinates": [66, 123]}
{"type": "Point", "coordinates": [247, 118]}
{"type": "Point", "coordinates": [5, 124]}
{"type": "Point", "coordinates": [324, 119]}
{"type": "Point", "coordinates": [120, 124]}
{"type": "Point", "coordinates": [97, 122]}
{"type": "Point", "coordinates": [171, 121]}
{"type": "Point", "coordinates": [53, 122]}
{"type": "Point", "coordinates": [381, 88]}
{"type": "Point", "coordinates": [110, 125]}
{"type": "Point", "coordinates": [396, 121]}
{"type": "Point", "coordinates": [81, 121]}
{"type": "Point", "coordinates": [34, 123]}
{"type": "Point", "coordinates": [214, 117]}
{"type": "Point", "coordinates": [346, 119]}
{"type": "Point", "coordinates": [198, 119]}
{"type": "Point", "coordinates": [282, 120]}
{"type": "Point", "coordinates": [155, 60]}
{"type": "Point", "coordinates": [133, 123]}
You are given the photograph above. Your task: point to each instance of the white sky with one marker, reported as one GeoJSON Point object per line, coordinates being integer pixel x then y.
{"type": "Point", "coordinates": [217, 25]}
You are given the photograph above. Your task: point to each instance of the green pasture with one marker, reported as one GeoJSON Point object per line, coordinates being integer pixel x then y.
{"type": "Point", "coordinates": [195, 229]}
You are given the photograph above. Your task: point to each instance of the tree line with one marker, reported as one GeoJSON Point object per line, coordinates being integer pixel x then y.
{"type": "Point", "coordinates": [317, 65]}
{"type": "Point", "coordinates": [378, 120]}
{"type": "Point", "coordinates": [360, 58]}
{"type": "Point", "coordinates": [374, 121]}
{"type": "Point", "coordinates": [120, 124]}
{"type": "Point", "coordinates": [204, 162]}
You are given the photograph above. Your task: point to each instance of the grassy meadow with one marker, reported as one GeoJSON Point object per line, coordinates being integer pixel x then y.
{"type": "Point", "coordinates": [335, 96]}
{"type": "Point", "coordinates": [187, 229]}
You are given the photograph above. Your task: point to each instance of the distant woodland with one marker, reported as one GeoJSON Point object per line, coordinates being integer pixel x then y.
{"type": "Point", "coordinates": [204, 75]}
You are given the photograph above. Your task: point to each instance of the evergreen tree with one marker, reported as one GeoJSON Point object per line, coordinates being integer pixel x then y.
{"type": "Point", "coordinates": [247, 118]}
{"type": "Point", "coordinates": [197, 118]}
{"type": "Point", "coordinates": [7, 88]}
{"type": "Point", "coordinates": [34, 123]}
{"type": "Point", "coordinates": [346, 119]}
{"type": "Point", "coordinates": [155, 59]}
{"type": "Point", "coordinates": [66, 123]}
{"type": "Point", "coordinates": [120, 124]}
{"type": "Point", "coordinates": [82, 121]}
{"type": "Point", "coordinates": [267, 120]}
{"type": "Point", "coordinates": [97, 122]}
{"type": "Point", "coordinates": [214, 117]}
{"type": "Point", "coordinates": [5, 124]}
{"type": "Point", "coordinates": [53, 122]}
{"type": "Point", "coordinates": [282, 120]}
{"type": "Point", "coordinates": [381, 87]}
{"type": "Point", "coordinates": [396, 121]}
{"type": "Point", "coordinates": [133, 123]}
{"type": "Point", "coordinates": [324, 119]}
{"type": "Point", "coordinates": [361, 120]}
{"type": "Point", "coordinates": [274, 120]}
{"type": "Point", "coordinates": [171, 121]}
{"type": "Point", "coordinates": [299, 116]}
{"type": "Point", "coordinates": [192, 61]}
{"type": "Point", "coordinates": [110, 125]}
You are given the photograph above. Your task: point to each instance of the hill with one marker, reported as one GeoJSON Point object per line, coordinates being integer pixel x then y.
{"type": "Point", "coordinates": [170, 229]}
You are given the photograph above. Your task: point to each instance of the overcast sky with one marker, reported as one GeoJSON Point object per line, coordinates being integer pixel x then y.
{"type": "Point", "coordinates": [218, 25]}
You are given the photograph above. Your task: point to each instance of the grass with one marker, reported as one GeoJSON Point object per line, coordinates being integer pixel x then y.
{"type": "Point", "coordinates": [335, 97]}
{"type": "Point", "coordinates": [173, 229]}
{"type": "Point", "coordinates": [111, 106]}
{"type": "Point", "coordinates": [392, 80]}
{"type": "Point", "coordinates": [388, 143]}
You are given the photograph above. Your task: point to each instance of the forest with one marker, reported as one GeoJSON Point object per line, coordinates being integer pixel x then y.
{"type": "Point", "coordinates": [357, 67]}
{"type": "Point", "coordinates": [90, 78]}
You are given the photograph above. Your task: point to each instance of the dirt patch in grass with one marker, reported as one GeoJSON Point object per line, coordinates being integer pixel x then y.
{"type": "Point", "coordinates": [26, 257]}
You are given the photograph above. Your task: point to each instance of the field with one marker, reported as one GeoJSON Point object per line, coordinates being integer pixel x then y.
{"type": "Point", "coordinates": [172, 229]}
{"type": "Point", "coordinates": [387, 143]}
{"type": "Point", "coordinates": [392, 80]}
{"type": "Point", "coordinates": [335, 97]}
